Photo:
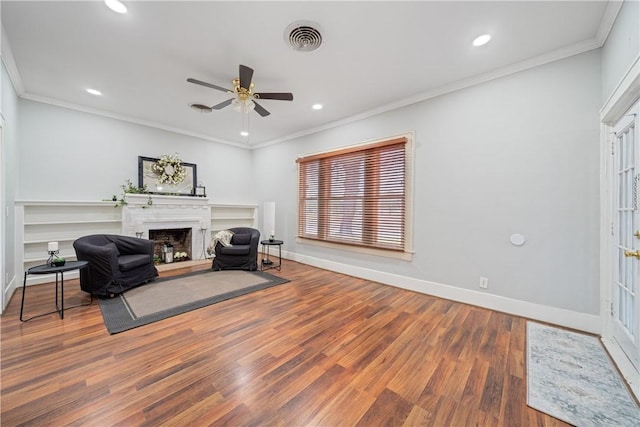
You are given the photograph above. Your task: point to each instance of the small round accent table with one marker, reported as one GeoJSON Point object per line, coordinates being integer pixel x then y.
{"type": "Point", "coordinates": [266, 262]}
{"type": "Point", "coordinates": [52, 269]}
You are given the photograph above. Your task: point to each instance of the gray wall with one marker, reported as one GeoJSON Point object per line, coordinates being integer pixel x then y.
{"type": "Point", "coordinates": [71, 155]}
{"type": "Point", "coordinates": [621, 48]}
{"type": "Point", "coordinates": [9, 111]}
{"type": "Point", "coordinates": [515, 155]}
{"type": "Point", "coordinates": [54, 153]}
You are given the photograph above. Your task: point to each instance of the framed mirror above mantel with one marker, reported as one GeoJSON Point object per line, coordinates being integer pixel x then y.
{"type": "Point", "coordinates": [148, 176]}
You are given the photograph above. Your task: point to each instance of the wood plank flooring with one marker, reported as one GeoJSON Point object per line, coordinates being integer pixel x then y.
{"type": "Point", "coordinates": [324, 349]}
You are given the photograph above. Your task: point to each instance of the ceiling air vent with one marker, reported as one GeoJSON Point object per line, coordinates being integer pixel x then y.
{"type": "Point", "coordinates": [303, 36]}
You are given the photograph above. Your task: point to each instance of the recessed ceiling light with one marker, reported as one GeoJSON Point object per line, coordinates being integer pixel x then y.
{"type": "Point", "coordinates": [481, 40]}
{"type": "Point", "coordinates": [116, 6]}
{"type": "Point", "coordinates": [244, 133]}
{"type": "Point", "coordinates": [317, 106]}
{"type": "Point", "coordinates": [94, 92]}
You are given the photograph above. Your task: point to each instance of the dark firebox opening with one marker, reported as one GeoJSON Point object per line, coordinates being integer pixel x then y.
{"type": "Point", "coordinates": [180, 238]}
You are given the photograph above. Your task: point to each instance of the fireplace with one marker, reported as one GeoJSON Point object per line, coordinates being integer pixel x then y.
{"type": "Point", "coordinates": [176, 215]}
{"type": "Point", "coordinates": [179, 238]}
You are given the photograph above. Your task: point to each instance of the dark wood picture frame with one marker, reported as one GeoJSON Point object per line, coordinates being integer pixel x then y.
{"type": "Point", "coordinates": [185, 188]}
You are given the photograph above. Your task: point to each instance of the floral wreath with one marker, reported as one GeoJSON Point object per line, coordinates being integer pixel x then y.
{"type": "Point", "coordinates": [169, 170]}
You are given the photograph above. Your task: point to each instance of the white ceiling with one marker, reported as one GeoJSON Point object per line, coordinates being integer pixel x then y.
{"type": "Point", "coordinates": [376, 55]}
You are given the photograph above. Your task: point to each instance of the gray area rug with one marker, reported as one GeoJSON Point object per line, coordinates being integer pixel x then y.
{"type": "Point", "coordinates": [171, 296]}
{"type": "Point", "coordinates": [570, 377]}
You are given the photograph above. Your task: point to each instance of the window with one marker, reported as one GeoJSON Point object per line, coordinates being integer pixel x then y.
{"type": "Point", "coordinates": [356, 196]}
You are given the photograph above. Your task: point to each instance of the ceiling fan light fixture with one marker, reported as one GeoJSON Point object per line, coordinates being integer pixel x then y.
{"type": "Point", "coordinates": [243, 99]}
{"type": "Point", "coordinates": [242, 106]}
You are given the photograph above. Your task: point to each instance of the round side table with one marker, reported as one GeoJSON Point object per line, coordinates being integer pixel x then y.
{"type": "Point", "coordinates": [266, 262]}
{"type": "Point", "coordinates": [52, 269]}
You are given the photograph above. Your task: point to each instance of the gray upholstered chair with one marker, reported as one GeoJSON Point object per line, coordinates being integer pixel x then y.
{"type": "Point", "coordinates": [116, 263]}
{"type": "Point", "coordinates": [243, 252]}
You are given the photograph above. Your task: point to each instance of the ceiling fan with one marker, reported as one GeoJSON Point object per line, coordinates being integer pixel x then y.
{"type": "Point", "coordinates": [244, 98]}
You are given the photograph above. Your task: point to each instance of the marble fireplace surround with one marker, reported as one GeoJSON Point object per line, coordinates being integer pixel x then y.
{"type": "Point", "coordinates": [168, 212]}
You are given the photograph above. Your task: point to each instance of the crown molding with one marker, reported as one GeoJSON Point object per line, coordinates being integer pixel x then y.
{"type": "Point", "coordinates": [125, 118]}
{"type": "Point", "coordinates": [608, 19]}
{"type": "Point", "coordinates": [10, 64]}
{"type": "Point", "coordinates": [16, 79]}
{"type": "Point", "coordinates": [546, 58]}
{"type": "Point", "coordinates": [613, 8]}
{"type": "Point", "coordinates": [626, 92]}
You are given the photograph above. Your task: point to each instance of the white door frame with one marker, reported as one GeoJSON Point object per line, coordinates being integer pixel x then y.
{"type": "Point", "coordinates": [623, 97]}
{"type": "Point", "coordinates": [3, 220]}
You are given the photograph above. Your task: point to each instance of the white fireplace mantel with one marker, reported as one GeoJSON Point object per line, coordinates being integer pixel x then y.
{"type": "Point", "coordinates": [144, 212]}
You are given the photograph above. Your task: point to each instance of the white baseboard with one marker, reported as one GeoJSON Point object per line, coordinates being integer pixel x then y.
{"type": "Point", "coordinates": [558, 316]}
{"type": "Point", "coordinates": [8, 293]}
{"type": "Point", "coordinates": [624, 365]}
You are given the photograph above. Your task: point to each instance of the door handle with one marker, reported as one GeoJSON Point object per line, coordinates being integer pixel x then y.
{"type": "Point", "coordinates": [629, 253]}
{"type": "Point", "coordinates": [637, 234]}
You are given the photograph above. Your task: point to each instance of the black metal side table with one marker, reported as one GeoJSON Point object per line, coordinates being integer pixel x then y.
{"type": "Point", "coordinates": [266, 262]}
{"type": "Point", "coordinates": [52, 269]}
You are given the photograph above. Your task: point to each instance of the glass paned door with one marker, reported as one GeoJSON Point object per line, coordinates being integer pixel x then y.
{"type": "Point", "coordinates": [625, 298]}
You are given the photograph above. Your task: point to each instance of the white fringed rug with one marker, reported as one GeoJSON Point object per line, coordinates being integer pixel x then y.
{"type": "Point", "coordinates": [570, 377]}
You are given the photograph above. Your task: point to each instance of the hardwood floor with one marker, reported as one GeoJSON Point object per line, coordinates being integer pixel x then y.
{"type": "Point", "coordinates": [324, 349]}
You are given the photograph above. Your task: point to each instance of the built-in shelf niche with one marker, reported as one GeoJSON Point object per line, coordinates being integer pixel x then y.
{"type": "Point", "coordinates": [229, 216]}
{"type": "Point", "coordinates": [40, 222]}
{"type": "Point", "coordinates": [63, 222]}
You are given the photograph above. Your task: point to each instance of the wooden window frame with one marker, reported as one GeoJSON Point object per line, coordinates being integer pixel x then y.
{"type": "Point", "coordinates": [368, 243]}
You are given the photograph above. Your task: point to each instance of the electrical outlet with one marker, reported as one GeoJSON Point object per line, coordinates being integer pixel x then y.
{"type": "Point", "coordinates": [484, 282]}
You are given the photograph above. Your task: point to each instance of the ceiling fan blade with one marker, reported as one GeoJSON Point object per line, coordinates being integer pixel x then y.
{"type": "Point", "coordinates": [246, 74]}
{"type": "Point", "coordinates": [260, 110]}
{"type": "Point", "coordinates": [201, 83]}
{"type": "Point", "coordinates": [279, 96]}
{"type": "Point", "coordinates": [222, 104]}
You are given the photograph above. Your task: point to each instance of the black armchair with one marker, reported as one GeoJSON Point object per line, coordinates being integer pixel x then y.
{"type": "Point", "coordinates": [116, 263]}
{"type": "Point", "coordinates": [243, 252]}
